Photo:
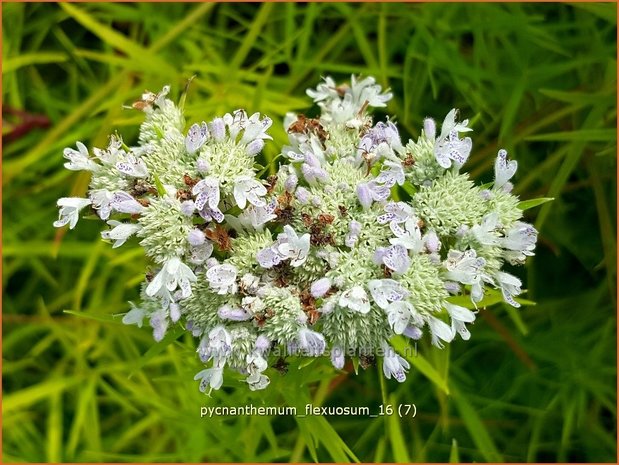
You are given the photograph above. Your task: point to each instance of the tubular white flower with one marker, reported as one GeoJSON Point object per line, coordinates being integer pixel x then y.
{"type": "Point", "coordinates": [294, 247]}
{"type": "Point", "coordinates": [196, 137]}
{"type": "Point", "coordinates": [70, 208]}
{"type": "Point", "coordinates": [79, 159]}
{"type": "Point", "coordinates": [356, 299]}
{"type": "Point", "coordinates": [135, 316]}
{"type": "Point", "coordinates": [460, 315]}
{"type": "Point", "coordinates": [408, 236]}
{"type": "Point", "coordinates": [120, 232]}
{"type": "Point", "coordinates": [337, 357]}
{"type": "Point", "coordinates": [510, 286]}
{"type": "Point", "coordinates": [213, 377]}
{"type": "Point", "coordinates": [311, 342]}
{"type": "Point", "coordinates": [393, 364]}
{"type": "Point", "coordinates": [222, 278]}
{"type": "Point", "coordinates": [439, 330]}
{"type": "Point", "coordinates": [385, 291]}
{"type": "Point", "coordinates": [504, 170]}
{"type": "Point", "coordinates": [319, 288]}
{"type": "Point", "coordinates": [132, 166]}
{"type": "Point", "coordinates": [173, 274]}
{"type": "Point", "coordinates": [398, 315]}
{"type": "Point", "coordinates": [250, 190]}
{"type": "Point", "coordinates": [124, 203]}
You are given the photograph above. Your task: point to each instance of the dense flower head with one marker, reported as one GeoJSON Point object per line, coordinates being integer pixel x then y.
{"type": "Point", "coordinates": [357, 238]}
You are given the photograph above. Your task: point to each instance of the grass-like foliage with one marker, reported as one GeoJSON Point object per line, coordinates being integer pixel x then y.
{"type": "Point", "coordinates": [533, 384]}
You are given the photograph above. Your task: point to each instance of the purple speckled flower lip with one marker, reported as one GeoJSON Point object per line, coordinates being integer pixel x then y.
{"type": "Point", "coordinates": [349, 238]}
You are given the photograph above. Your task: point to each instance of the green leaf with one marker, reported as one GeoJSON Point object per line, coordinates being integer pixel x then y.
{"type": "Point", "coordinates": [159, 186]}
{"type": "Point", "coordinates": [420, 363]}
{"type": "Point", "coordinates": [13, 63]}
{"type": "Point", "coordinates": [588, 135]}
{"type": "Point", "coordinates": [476, 428]}
{"type": "Point", "coordinates": [134, 50]}
{"type": "Point", "coordinates": [102, 317]}
{"type": "Point", "coordinates": [398, 444]}
{"type": "Point", "coordinates": [532, 203]}
{"type": "Point", "coordinates": [454, 456]}
{"type": "Point", "coordinates": [158, 348]}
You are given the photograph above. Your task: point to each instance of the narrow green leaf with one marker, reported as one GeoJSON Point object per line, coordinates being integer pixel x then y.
{"type": "Point", "coordinates": [476, 428]}
{"type": "Point", "coordinates": [398, 444]}
{"type": "Point", "coordinates": [159, 186]}
{"type": "Point", "coordinates": [532, 203]}
{"type": "Point", "coordinates": [454, 456]}
{"type": "Point", "coordinates": [590, 135]}
{"type": "Point", "coordinates": [13, 63]}
{"type": "Point", "coordinates": [420, 363]}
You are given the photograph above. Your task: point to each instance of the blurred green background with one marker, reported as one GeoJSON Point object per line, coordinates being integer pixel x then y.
{"type": "Point", "coordinates": [535, 384]}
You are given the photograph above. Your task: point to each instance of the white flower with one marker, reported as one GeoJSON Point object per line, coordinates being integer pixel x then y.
{"type": "Point", "coordinates": [396, 258]}
{"type": "Point", "coordinates": [124, 203]}
{"type": "Point", "coordinates": [450, 124]}
{"type": "Point", "coordinates": [520, 242]}
{"type": "Point", "coordinates": [196, 137]}
{"type": "Point", "coordinates": [199, 254]}
{"type": "Point", "coordinates": [247, 189]}
{"type": "Point", "coordinates": [449, 147]}
{"type": "Point", "coordinates": [213, 377]}
{"type": "Point", "coordinates": [102, 202]}
{"type": "Point", "coordinates": [134, 316]}
{"type": "Point", "coordinates": [159, 322]}
{"type": "Point", "coordinates": [463, 267]}
{"type": "Point", "coordinates": [295, 248]}
{"type": "Point", "coordinates": [120, 232]}
{"type": "Point", "coordinates": [324, 91]}
{"type": "Point", "coordinates": [216, 344]}
{"type": "Point", "coordinates": [386, 290]}
{"type": "Point", "coordinates": [255, 129]}
{"type": "Point", "coordinates": [392, 173]}
{"type": "Point", "coordinates": [409, 236]}
{"type": "Point", "coordinates": [429, 128]}
{"type": "Point", "coordinates": [439, 330]}
{"type": "Point", "coordinates": [466, 268]}
{"type": "Point", "coordinates": [356, 299]}
{"type": "Point", "coordinates": [70, 208]}
{"type": "Point", "coordinates": [393, 364]}
{"type": "Point", "coordinates": [485, 233]}
{"type": "Point", "coordinates": [256, 364]}
{"type": "Point", "coordinates": [503, 170]}
{"type": "Point", "coordinates": [460, 315]}
{"type": "Point", "coordinates": [510, 286]}
{"type": "Point", "coordinates": [431, 242]}
{"type": "Point", "coordinates": [132, 166]}
{"type": "Point", "coordinates": [398, 315]}
{"type": "Point", "coordinates": [222, 278]}
{"type": "Point", "coordinates": [173, 274]}
{"type": "Point", "coordinates": [79, 160]}
{"type": "Point", "coordinates": [311, 342]}
{"type": "Point", "coordinates": [207, 193]}
{"type": "Point", "coordinates": [337, 357]}
{"type": "Point", "coordinates": [396, 212]}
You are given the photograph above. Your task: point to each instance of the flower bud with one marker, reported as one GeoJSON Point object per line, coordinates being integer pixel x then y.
{"type": "Point", "coordinates": [254, 147]}
{"type": "Point", "coordinates": [196, 237]}
{"type": "Point", "coordinates": [320, 288]}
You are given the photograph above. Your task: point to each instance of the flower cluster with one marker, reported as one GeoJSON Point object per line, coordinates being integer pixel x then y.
{"type": "Point", "coordinates": [359, 236]}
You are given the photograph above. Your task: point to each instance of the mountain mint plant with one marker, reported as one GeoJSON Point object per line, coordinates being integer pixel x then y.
{"type": "Point", "coordinates": [358, 238]}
